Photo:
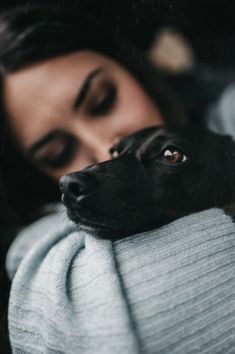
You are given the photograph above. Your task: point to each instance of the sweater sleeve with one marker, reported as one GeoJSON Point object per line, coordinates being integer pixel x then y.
{"type": "Point", "coordinates": [170, 290]}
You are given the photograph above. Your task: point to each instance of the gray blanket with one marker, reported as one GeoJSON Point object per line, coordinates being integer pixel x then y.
{"type": "Point", "coordinates": [171, 290]}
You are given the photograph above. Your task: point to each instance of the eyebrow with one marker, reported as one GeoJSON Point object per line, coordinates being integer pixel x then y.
{"type": "Point", "coordinates": [78, 102]}
{"type": "Point", "coordinates": [86, 86]}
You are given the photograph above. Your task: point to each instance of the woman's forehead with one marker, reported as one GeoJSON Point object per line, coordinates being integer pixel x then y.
{"type": "Point", "coordinates": [41, 89]}
{"type": "Point", "coordinates": [42, 73]}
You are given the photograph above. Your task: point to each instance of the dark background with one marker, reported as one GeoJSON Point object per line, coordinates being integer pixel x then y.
{"type": "Point", "coordinates": [209, 26]}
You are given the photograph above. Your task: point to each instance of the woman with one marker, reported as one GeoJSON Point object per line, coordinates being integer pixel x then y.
{"type": "Point", "coordinates": [69, 93]}
{"type": "Point", "coordinates": [76, 58]}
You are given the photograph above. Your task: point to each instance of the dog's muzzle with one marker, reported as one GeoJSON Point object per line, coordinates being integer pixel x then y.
{"type": "Point", "coordinates": [75, 187]}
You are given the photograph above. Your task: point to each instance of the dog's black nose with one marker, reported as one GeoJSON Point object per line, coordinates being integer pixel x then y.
{"type": "Point", "coordinates": [74, 187]}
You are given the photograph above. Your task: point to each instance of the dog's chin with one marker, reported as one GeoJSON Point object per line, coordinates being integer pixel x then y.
{"type": "Point", "coordinates": [103, 232]}
{"type": "Point", "coordinates": [99, 230]}
{"type": "Point", "coordinates": [111, 232]}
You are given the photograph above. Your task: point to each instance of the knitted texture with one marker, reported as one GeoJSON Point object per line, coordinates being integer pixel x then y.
{"type": "Point", "coordinates": [171, 290]}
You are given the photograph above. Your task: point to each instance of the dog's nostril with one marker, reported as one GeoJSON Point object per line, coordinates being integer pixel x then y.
{"type": "Point", "coordinates": [75, 188]}
{"type": "Point", "coordinates": [61, 189]}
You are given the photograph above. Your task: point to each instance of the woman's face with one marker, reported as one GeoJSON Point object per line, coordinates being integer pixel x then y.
{"type": "Point", "coordinates": [66, 113]}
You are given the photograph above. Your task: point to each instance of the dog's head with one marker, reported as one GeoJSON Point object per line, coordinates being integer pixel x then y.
{"type": "Point", "coordinates": [156, 175]}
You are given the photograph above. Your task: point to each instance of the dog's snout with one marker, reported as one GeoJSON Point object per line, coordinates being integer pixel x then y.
{"type": "Point", "coordinates": [74, 187]}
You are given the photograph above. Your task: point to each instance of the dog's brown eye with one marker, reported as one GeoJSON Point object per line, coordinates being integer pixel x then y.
{"type": "Point", "coordinates": [172, 155]}
{"type": "Point", "coordinates": [114, 152]}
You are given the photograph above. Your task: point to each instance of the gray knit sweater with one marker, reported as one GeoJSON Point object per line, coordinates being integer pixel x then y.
{"type": "Point", "coordinates": [171, 290]}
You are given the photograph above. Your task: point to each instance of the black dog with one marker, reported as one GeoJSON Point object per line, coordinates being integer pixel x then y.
{"type": "Point", "coordinates": [156, 175]}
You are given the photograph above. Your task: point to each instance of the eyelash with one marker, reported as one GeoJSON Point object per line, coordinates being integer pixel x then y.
{"type": "Point", "coordinates": [64, 158]}
{"type": "Point", "coordinates": [71, 145]}
{"type": "Point", "coordinates": [106, 104]}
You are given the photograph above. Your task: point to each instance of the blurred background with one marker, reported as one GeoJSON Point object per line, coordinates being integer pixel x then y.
{"type": "Point", "coordinates": [207, 24]}
{"type": "Point", "coordinates": [184, 31]}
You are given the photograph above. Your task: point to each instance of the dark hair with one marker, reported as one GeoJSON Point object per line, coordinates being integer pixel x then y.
{"type": "Point", "coordinates": [38, 33]}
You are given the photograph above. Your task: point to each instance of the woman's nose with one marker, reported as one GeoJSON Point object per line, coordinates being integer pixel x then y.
{"type": "Point", "coordinates": [97, 144]}
{"type": "Point", "coordinates": [100, 151]}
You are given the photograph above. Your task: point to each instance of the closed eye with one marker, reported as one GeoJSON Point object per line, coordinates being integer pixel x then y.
{"type": "Point", "coordinates": [55, 151]}
{"type": "Point", "coordinates": [104, 102]}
